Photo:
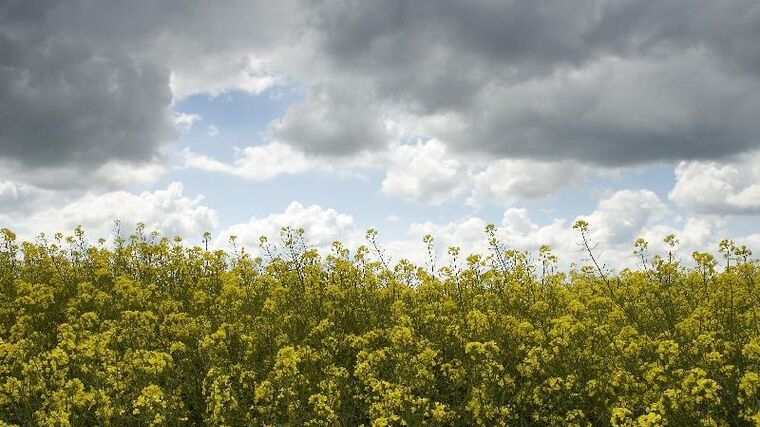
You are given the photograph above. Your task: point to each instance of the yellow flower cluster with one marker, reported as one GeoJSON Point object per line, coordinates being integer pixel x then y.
{"type": "Point", "coordinates": [150, 331]}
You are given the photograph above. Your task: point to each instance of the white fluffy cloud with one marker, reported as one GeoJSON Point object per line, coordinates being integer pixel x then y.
{"type": "Point", "coordinates": [516, 230]}
{"type": "Point", "coordinates": [428, 172]}
{"type": "Point", "coordinates": [323, 226]}
{"type": "Point", "coordinates": [167, 210]}
{"type": "Point", "coordinates": [619, 218]}
{"type": "Point", "coordinates": [615, 223]}
{"type": "Point", "coordinates": [256, 163]}
{"type": "Point", "coordinates": [186, 121]}
{"type": "Point", "coordinates": [698, 233]}
{"type": "Point", "coordinates": [728, 187]}
{"type": "Point", "coordinates": [424, 172]}
{"type": "Point", "coordinates": [507, 181]}
{"type": "Point", "coordinates": [752, 241]}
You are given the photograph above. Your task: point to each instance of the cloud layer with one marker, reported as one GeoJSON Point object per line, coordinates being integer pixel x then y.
{"type": "Point", "coordinates": [65, 103]}
{"type": "Point", "coordinates": [480, 102]}
{"type": "Point", "coordinates": [715, 187]}
{"type": "Point", "coordinates": [168, 210]}
{"type": "Point", "coordinates": [604, 82]}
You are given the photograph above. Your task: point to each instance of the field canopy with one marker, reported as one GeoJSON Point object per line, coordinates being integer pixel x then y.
{"type": "Point", "coordinates": [149, 330]}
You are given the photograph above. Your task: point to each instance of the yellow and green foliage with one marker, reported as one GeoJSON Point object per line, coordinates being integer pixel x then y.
{"type": "Point", "coordinates": [149, 331]}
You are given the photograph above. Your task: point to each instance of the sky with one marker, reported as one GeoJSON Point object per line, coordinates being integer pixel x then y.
{"type": "Point", "coordinates": [412, 117]}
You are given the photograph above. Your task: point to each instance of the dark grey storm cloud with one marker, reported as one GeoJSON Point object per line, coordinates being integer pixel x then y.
{"type": "Point", "coordinates": [332, 122]}
{"type": "Point", "coordinates": [64, 100]}
{"type": "Point", "coordinates": [610, 82]}
{"type": "Point", "coordinates": [410, 48]}
{"type": "Point", "coordinates": [86, 82]}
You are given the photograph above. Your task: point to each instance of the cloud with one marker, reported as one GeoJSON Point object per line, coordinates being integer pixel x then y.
{"type": "Point", "coordinates": [507, 181]}
{"type": "Point", "coordinates": [109, 175]}
{"type": "Point", "coordinates": [622, 216]}
{"type": "Point", "coordinates": [727, 187]}
{"type": "Point", "coordinates": [167, 210]}
{"type": "Point", "coordinates": [256, 163]}
{"type": "Point", "coordinates": [615, 223]}
{"type": "Point", "coordinates": [698, 233]}
{"type": "Point", "coordinates": [333, 123]}
{"type": "Point", "coordinates": [427, 172]}
{"type": "Point", "coordinates": [599, 82]}
{"type": "Point", "coordinates": [226, 72]}
{"type": "Point", "coordinates": [20, 198]}
{"type": "Point", "coordinates": [614, 111]}
{"type": "Point", "coordinates": [752, 241]}
{"type": "Point", "coordinates": [607, 83]}
{"type": "Point", "coordinates": [424, 172]}
{"type": "Point", "coordinates": [8, 192]}
{"type": "Point", "coordinates": [516, 230]}
{"type": "Point", "coordinates": [323, 226]}
{"type": "Point", "coordinates": [185, 121]}
{"type": "Point", "coordinates": [84, 84]}
{"type": "Point", "coordinates": [64, 103]}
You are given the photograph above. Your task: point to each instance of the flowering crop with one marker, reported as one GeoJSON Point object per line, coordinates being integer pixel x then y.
{"type": "Point", "coordinates": [150, 331]}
